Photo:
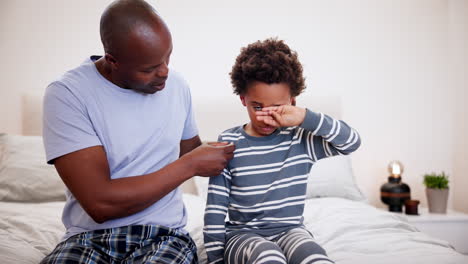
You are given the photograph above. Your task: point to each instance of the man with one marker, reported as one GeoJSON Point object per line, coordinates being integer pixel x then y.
{"type": "Point", "coordinates": [121, 133]}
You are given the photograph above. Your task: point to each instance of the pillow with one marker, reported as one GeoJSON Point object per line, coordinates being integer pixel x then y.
{"type": "Point", "coordinates": [195, 207]}
{"type": "Point", "coordinates": [24, 174]}
{"type": "Point", "coordinates": [333, 177]}
{"type": "Point", "coordinates": [201, 184]}
{"type": "Point", "coordinates": [329, 177]}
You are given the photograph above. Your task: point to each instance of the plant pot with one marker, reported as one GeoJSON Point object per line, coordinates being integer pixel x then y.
{"type": "Point", "coordinates": [437, 200]}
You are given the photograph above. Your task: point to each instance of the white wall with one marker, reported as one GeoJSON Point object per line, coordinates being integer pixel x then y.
{"type": "Point", "coordinates": [390, 62]}
{"type": "Point", "coordinates": [458, 32]}
{"type": "Point", "coordinates": [40, 40]}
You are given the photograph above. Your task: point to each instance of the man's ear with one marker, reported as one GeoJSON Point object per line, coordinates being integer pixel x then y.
{"type": "Point", "coordinates": [111, 60]}
{"type": "Point", "coordinates": [243, 100]}
{"type": "Point", "coordinates": [293, 101]}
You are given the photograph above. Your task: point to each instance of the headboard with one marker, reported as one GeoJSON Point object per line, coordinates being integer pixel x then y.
{"type": "Point", "coordinates": [31, 115]}
{"type": "Point", "coordinates": [213, 116]}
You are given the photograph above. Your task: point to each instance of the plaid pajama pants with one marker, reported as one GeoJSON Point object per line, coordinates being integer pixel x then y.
{"type": "Point", "coordinates": [128, 244]}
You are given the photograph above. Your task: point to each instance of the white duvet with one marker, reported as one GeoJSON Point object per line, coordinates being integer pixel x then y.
{"type": "Point", "coordinates": [28, 231]}
{"type": "Point", "coordinates": [355, 232]}
{"type": "Point", "coordinates": [351, 232]}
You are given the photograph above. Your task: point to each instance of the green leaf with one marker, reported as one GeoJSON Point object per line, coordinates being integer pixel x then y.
{"type": "Point", "coordinates": [436, 181]}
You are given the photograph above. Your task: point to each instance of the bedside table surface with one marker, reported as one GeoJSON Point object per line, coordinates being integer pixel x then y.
{"type": "Point", "coordinates": [425, 216]}
{"type": "Point", "coordinates": [451, 227]}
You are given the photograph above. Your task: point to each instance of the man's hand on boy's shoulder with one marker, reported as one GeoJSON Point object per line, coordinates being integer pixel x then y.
{"type": "Point", "coordinates": [282, 116]}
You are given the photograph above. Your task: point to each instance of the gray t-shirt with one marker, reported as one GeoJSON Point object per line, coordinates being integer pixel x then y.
{"type": "Point", "coordinates": [140, 133]}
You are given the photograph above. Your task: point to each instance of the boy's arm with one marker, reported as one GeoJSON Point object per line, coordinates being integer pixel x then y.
{"type": "Point", "coordinates": [214, 231]}
{"type": "Point", "coordinates": [328, 136]}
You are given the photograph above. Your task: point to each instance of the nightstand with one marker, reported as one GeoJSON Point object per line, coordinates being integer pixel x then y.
{"type": "Point", "coordinates": [451, 227]}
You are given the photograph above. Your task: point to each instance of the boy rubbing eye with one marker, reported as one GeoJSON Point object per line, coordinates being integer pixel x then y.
{"type": "Point", "coordinates": [263, 187]}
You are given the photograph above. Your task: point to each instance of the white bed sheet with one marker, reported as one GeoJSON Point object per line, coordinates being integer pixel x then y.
{"type": "Point", "coordinates": [351, 232]}
{"type": "Point", "coordinates": [29, 231]}
{"type": "Point", "coordinates": [355, 232]}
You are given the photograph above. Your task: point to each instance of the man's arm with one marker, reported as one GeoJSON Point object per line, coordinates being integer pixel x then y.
{"type": "Point", "coordinates": [86, 174]}
{"type": "Point", "coordinates": [189, 144]}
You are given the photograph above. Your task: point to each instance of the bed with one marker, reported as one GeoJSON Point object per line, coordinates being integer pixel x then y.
{"type": "Point", "coordinates": [336, 211]}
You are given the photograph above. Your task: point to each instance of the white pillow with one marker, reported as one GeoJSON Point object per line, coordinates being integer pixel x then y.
{"type": "Point", "coordinates": [195, 207]}
{"type": "Point", "coordinates": [330, 177]}
{"type": "Point", "coordinates": [24, 174]}
{"type": "Point", "coordinates": [333, 177]}
{"type": "Point", "coordinates": [201, 184]}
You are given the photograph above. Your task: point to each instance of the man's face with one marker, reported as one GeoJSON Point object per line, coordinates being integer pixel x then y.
{"type": "Point", "coordinates": [259, 95]}
{"type": "Point", "coordinates": [142, 63]}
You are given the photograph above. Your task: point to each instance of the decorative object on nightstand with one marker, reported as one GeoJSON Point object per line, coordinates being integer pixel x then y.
{"type": "Point", "coordinates": [394, 193]}
{"type": "Point", "coordinates": [437, 191]}
{"type": "Point", "coordinates": [411, 207]}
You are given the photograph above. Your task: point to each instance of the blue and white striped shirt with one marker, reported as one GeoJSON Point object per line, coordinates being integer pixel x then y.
{"type": "Point", "coordinates": [263, 188]}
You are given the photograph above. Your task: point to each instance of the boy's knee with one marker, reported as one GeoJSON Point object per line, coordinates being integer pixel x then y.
{"type": "Point", "coordinates": [308, 253]}
{"type": "Point", "coordinates": [268, 253]}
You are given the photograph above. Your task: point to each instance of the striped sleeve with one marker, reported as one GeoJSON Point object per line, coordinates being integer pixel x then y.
{"type": "Point", "coordinates": [328, 136]}
{"type": "Point", "coordinates": [214, 231]}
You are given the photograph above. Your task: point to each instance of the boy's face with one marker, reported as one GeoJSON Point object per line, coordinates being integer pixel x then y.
{"type": "Point", "coordinates": [259, 95]}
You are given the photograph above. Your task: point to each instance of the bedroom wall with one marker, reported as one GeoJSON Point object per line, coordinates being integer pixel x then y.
{"type": "Point", "coordinates": [458, 30]}
{"type": "Point", "coordinates": [389, 61]}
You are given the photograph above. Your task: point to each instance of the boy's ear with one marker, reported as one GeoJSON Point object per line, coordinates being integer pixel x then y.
{"type": "Point", "coordinates": [293, 101]}
{"type": "Point", "coordinates": [243, 100]}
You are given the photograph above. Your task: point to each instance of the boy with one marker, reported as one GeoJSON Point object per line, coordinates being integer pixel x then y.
{"type": "Point", "coordinates": [263, 187]}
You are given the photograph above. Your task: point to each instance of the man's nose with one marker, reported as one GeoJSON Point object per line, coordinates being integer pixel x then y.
{"type": "Point", "coordinates": [163, 71]}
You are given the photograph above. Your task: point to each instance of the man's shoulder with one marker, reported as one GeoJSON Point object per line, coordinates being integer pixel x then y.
{"type": "Point", "coordinates": [177, 78]}
{"type": "Point", "coordinates": [74, 85]}
{"type": "Point", "coordinates": [77, 75]}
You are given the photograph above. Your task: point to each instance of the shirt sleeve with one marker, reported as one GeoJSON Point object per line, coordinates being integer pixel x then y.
{"type": "Point", "coordinates": [190, 126]}
{"type": "Point", "coordinates": [328, 136]}
{"type": "Point", "coordinates": [214, 231]}
{"type": "Point", "coordinates": [66, 123]}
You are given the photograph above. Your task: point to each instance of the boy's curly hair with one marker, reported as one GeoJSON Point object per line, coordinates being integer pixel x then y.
{"type": "Point", "coordinates": [269, 61]}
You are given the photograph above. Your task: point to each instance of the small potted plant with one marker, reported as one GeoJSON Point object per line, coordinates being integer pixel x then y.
{"type": "Point", "coordinates": [437, 191]}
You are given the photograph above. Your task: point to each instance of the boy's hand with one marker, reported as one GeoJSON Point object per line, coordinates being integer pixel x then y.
{"type": "Point", "coordinates": [282, 116]}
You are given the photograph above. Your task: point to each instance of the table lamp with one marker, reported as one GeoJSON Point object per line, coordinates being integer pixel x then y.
{"type": "Point", "coordinates": [394, 193]}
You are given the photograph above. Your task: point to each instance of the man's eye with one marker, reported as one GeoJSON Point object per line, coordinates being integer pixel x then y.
{"type": "Point", "coordinates": [257, 108]}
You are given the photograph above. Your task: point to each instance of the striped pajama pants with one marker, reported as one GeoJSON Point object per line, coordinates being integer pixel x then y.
{"type": "Point", "coordinates": [125, 245]}
{"type": "Point", "coordinates": [294, 246]}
